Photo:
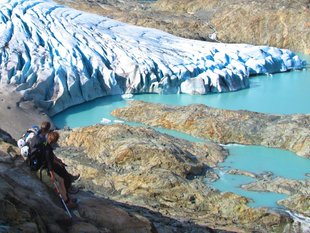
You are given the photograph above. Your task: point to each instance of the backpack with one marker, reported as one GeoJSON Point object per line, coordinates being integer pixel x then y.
{"type": "Point", "coordinates": [36, 158]}
{"type": "Point", "coordinates": [23, 142]}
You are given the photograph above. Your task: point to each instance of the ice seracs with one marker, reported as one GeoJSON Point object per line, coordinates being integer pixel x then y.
{"type": "Point", "coordinates": [61, 57]}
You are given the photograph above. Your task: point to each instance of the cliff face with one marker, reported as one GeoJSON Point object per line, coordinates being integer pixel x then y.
{"type": "Point", "coordinates": [283, 24]}
{"type": "Point", "coordinates": [279, 23]}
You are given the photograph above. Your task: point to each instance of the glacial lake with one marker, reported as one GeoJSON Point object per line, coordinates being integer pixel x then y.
{"type": "Point", "coordinates": [284, 93]}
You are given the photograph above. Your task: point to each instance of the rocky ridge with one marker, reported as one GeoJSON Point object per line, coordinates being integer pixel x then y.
{"type": "Point", "coordinates": [27, 205]}
{"type": "Point", "coordinates": [142, 167]}
{"type": "Point", "coordinates": [289, 132]}
{"type": "Point", "coordinates": [280, 185]}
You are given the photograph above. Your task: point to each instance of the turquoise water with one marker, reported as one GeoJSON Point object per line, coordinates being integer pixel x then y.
{"type": "Point", "coordinates": [89, 113]}
{"type": "Point", "coordinates": [259, 159]}
{"type": "Point", "coordinates": [232, 183]}
{"type": "Point", "coordinates": [284, 93]}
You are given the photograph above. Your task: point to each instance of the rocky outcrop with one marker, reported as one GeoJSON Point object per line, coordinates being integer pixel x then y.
{"type": "Point", "coordinates": [144, 182]}
{"type": "Point", "coordinates": [27, 205]}
{"type": "Point", "coordinates": [280, 185]}
{"type": "Point", "coordinates": [298, 191]}
{"type": "Point", "coordinates": [289, 132]}
{"type": "Point", "coordinates": [59, 57]}
{"type": "Point", "coordinates": [300, 203]}
{"type": "Point", "coordinates": [142, 167]}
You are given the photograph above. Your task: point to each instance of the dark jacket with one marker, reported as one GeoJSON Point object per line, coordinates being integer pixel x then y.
{"type": "Point", "coordinates": [49, 157]}
{"type": "Point", "coordinates": [36, 156]}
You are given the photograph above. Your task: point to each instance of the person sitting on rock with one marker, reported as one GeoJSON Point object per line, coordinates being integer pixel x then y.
{"type": "Point", "coordinates": [56, 169]}
{"type": "Point", "coordinates": [38, 143]}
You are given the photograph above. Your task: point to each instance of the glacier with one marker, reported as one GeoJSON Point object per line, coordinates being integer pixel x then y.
{"type": "Point", "coordinates": [59, 57]}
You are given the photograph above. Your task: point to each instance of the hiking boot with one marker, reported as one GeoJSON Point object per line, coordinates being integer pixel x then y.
{"type": "Point", "coordinates": [73, 190]}
{"type": "Point", "coordinates": [74, 178]}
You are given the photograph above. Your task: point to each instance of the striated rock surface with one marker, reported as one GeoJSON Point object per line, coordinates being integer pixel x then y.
{"type": "Point", "coordinates": [27, 205]}
{"type": "Point", "coordinates": [284, 24]}
{"type": "Point", "coordinates": [300, 203]}
{"type": "Point", "coordinates": [142, 167]}
{"type": "Point", "coordinates": [280, 185]}
{"type": "Point", "coordinates": [289, 132]}
{"type": "Point", "coordinates": [279, 23]}
{"type": "Point", "coordinates": [59, 57]}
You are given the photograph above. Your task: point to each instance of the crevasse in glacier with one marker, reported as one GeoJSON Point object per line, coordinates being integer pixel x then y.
{"type": "Point", "coordinates": [61, 57]}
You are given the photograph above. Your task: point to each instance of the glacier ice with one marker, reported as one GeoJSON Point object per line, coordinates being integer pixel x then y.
{"type": "Point", "coordinates": [60, 57]}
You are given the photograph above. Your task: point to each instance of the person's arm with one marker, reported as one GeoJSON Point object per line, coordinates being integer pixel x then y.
{"type": "Point", "coordinates": [59, 161]}
{"type": "Point", "coordinates": [49, 158]}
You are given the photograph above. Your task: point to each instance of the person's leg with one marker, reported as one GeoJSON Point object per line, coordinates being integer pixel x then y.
{"type": "Point", "coordinates": [61, 171]}
{"type": "Point", "coordinates": [64, 193]}
{"type": "Point", "coordinates": [62, 189]}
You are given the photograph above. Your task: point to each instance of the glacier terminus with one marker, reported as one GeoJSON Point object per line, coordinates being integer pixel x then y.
{"type": "Point", "coordinates": [59, 57]}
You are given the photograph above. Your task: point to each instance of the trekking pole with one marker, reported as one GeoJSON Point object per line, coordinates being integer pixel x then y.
{"type": "Point", "coordinates": [62, 200]}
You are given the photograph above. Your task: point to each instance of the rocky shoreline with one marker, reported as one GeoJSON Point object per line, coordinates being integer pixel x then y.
{"type": "Point", "coordinates": [290, 132]}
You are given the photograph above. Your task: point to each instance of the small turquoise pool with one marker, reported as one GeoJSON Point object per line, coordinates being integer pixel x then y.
{"type": "Point", "coordinates": [258, 160]}
{"type": "Point", "coordinates": [231, 183]}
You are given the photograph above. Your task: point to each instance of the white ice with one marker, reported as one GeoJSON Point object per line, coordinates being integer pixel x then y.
{"type": "Point", "coordinates": [60, 57]}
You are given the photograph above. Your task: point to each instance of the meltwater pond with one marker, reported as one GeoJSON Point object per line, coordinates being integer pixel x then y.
{"type": "Point", "coordinates": [284, 93]}
{"type": "Point", "coordinates": [259, 160]}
